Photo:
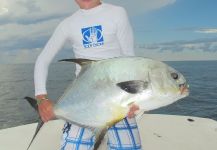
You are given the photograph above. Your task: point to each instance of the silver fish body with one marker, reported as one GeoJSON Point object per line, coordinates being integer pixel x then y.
{"type": "Point", "coordinates": [103, 91]}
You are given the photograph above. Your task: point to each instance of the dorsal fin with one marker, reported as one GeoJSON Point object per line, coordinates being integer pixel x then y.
{"type": "Point", "coordinates": [79, 61]}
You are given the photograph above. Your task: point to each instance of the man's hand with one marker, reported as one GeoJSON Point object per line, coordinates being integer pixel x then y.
{"type": "Point", "coordinates": [132, 111]}
{"type": "Point", "coordinates": [45, 108]}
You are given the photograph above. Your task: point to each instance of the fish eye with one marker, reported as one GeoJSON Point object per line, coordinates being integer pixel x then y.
{"type": "Point", "coordinates": [174, 75]}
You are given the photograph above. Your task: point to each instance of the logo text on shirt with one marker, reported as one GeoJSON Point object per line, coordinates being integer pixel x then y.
{"type": "Point", "coordinates": [92, 36]}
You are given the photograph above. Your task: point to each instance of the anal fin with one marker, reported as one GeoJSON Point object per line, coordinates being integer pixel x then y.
{"type": "Point", "coordinates": [99, 136]}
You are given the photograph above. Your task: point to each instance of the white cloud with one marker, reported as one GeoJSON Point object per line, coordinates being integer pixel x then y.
{"type": "Point", "coordinates": [177, 56]}
{"type": "Point", "coordinates": [200, 49]}
{"type": "Point", "coordinates": [30, 19]}
{"type": "Point", "coordinates": [134, 7]}
{"type": "Point", "coordinates": [16, 36]}
{"type": "Point", "coordinates": [207, 30]}
{"type": "Point", "coordinates": [3, 10]}
{"type": "Point", "coordinates": [31, 10]}
{"type": "Point", "coordinates": [206, 44]}
{"type": "Point", "coordinates": [24, 20]}
{"type": "Point", "coordinates": [19, 56]}
{"type": "Point", "coordinates": [18, 31]}
{"type": "Point", "coordinates": [27, 11]}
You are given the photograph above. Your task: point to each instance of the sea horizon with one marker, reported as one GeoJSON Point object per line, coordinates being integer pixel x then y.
{"type": "Point", "coordinates": [136, 56]}
{"type": "Point", "coordinates": [16, 82]}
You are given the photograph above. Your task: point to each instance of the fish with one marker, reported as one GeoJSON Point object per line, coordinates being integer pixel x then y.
{"type": "Point", "coordinates": [102, 93]}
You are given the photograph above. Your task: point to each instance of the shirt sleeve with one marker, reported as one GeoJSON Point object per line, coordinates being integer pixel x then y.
{"type": "Point", "coordinates": [43, 61]}
{"type": "Point", "coordinates": [125, 34]}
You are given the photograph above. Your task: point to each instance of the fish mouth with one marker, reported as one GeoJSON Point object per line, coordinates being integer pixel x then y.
{"type": "Point", "coordinates": [184, 88]}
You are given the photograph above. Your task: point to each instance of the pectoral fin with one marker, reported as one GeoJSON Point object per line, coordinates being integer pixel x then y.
{"type": "Point", "coordinates": [134, 86]}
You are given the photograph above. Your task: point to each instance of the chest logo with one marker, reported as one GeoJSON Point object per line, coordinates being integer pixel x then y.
{"type": "Point", "coordinates": [92, 36]}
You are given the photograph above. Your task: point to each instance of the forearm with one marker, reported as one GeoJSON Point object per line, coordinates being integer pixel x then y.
{"type": "Point", "coordinates": [40, 77]}
{"type": "Point", "coordinates": [45, 58]}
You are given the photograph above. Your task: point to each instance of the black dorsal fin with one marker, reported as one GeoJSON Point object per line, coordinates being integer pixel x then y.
{"type": "Point", "coordinates": [80, 61]}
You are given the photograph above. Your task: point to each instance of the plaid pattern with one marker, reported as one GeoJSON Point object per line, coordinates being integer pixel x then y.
{"type": "Point", "coordinates": [122, 136]}
{"type": "Point", "coordinates": [76, 138]}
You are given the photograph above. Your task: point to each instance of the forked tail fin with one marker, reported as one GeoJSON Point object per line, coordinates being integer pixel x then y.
{"type": "Point", "coordinates": [33, 103]}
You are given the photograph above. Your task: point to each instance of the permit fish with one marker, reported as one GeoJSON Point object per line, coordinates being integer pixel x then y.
{"type": "Point", "coordinates": [102, 93]}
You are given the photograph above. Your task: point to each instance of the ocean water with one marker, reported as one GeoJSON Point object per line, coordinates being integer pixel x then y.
{"type": "Point", "coordinates": [16, 82]}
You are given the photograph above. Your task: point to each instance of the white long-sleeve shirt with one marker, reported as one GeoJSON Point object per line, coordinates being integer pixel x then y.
{"type": "Point", "coordinates": [98, 33]}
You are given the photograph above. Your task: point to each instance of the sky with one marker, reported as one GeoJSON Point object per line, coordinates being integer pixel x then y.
{"type": "Point", "coordinates": [163, 29]}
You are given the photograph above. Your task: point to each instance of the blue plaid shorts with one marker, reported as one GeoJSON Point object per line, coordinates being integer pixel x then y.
{"type": "Point", "coordinates": [122, 136]}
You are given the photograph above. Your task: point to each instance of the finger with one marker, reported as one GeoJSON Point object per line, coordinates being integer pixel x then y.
{"type": "Point", "coordinates": [47, 115]}
{"type": "Point", "coordinates": [44, 115]}
{"type": "Point", "coordinates": [49, 112]}
{"type": "Point", "coordinates": [46, 111]}
{"type": "Point", "coordinates": [131, 116]}
{"type": "Point", "coordinates": [46, 118]}
{"type": "Point", "coordinates": [43, 118]}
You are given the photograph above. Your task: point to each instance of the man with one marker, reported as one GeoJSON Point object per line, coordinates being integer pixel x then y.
{"type": "Point", "coordinates": [96, 31]}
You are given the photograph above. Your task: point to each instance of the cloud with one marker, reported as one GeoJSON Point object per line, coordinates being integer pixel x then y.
{"type": "Point", "coordinates": [199, 30]}
{"type": "Point", "coordinates": [177, 56]}
{"type": "Point", "coordinates": [199, 49]}
{"type": "Point", "coordinates": [3, 11]}
{"type": "Point", "coordinates": [22, 56]}
{"type": "Point", "coordinates": [29, 23]}
{"type": "Point", "coordinates": [206, 45]}
{"type": "Point", "coordinates": [17, 57]}
{"type": "Point", "coordinates": [141, 6]}
{"type": "Point", "coordinates": [26, 25]}
{"type": "Point", "coordinates": [30, 11]}
{"type": "Point", "coordinates": [207, 30]}
{"type": "Point", "coordinates": [16, 36]}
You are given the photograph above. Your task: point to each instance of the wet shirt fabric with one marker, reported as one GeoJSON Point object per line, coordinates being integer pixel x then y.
{"type": "Point", "coordinates": [98, 33]}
